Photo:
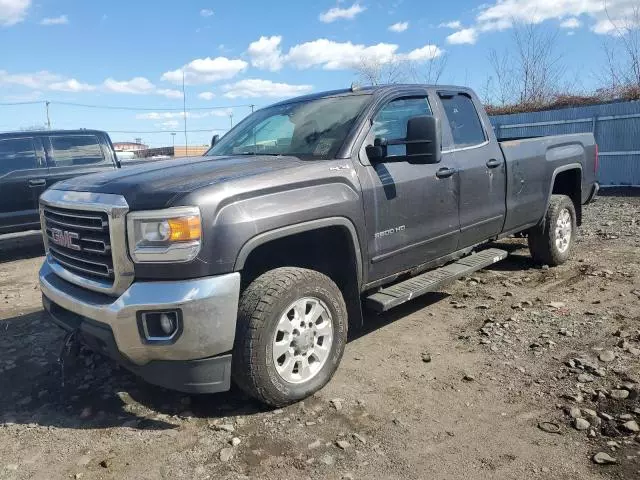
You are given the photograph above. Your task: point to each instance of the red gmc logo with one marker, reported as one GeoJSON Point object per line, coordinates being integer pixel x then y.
{"type": "Point", "coordinates": [64, 238]}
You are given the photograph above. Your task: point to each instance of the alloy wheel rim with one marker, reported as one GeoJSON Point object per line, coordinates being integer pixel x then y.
{"type": "Point", "coordinates": [563, 230]}
{"type": "Point", "coordinates": [302, 340]}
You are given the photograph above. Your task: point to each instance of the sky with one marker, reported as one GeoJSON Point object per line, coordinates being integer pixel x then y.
{"type": "Point", "coordinates": [130, 55]}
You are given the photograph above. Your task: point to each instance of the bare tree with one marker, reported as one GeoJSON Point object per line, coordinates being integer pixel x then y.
{"type": "Point", "coordinates": [537, 65]}
{"type": "Point", "coordinates": [429, 71]}
{"type": "Point", "coordinates": [374, 71]}
{"type": "Point", "coordinates": [529, 71]}
{"type": "Point", "coordinates": [504, 77]}
{"type": "Point", "coordinates": [623, 52]}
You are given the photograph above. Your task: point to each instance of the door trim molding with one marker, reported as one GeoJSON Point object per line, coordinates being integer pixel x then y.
{"type": "Point", "coordinates": [384, 256]}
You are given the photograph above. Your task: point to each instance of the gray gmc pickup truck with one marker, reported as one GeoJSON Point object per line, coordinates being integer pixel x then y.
{"type": "Point", "coordinates": [252, 262]}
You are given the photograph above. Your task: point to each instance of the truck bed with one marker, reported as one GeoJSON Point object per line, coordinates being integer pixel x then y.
{"type": "Point", "coordinates": [531, 162]}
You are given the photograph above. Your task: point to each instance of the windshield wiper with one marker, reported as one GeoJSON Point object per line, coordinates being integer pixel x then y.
{"type": "Point", "coordinates": [259, 153]}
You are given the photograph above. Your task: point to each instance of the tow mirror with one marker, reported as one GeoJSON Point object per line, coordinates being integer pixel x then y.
{"type": "Point", "coordinates": [422, 143]}
{"type": "Point", "coordinates": [215, 139]}
{"type": "Point", "coordinates": [423, 139]}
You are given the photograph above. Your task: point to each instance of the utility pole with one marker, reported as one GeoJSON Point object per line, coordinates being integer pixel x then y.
{"type": "Point", "coordinates": [184, 115]}
{"type": "Point", "coordinates": [46, 104]}
{"type": "Point", "coordinates": [173, 142]}
{"type": "Point", "coordinates": [252, 107]}
{"type": "Point", "coordinates": [231, 118]}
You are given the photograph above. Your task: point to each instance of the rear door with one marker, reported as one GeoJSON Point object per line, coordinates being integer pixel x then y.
{"type": "Point", "coordinates": [22, 180]}
{"type": "Point", "coordinates": [71, 155]}
{"type": "Point", "coordinates": [481, 166]}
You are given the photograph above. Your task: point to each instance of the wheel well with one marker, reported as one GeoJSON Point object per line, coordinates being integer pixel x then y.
{"type": "Point", "coordinates": [328, 250]}
{"type": "Point", "coordinates": [569, 183]}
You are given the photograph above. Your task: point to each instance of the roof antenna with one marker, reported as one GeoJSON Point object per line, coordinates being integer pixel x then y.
{"type": "Point", "coordinates": [355, 86]}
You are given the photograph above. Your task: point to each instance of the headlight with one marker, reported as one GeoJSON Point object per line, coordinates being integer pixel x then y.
{"type": "Point", "coordinates": [160, 236]}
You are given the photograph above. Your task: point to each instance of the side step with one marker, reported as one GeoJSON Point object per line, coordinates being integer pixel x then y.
{"type": "Point", "coordinates": [399, 293]}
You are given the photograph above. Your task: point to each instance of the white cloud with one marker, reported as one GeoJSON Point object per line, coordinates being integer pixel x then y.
{"type": "Point", "coordinates": [503, 13]}
{"type": "Point", "coordinates": [71, 85]}
{"type": "Point", "coordinates": [399, 27]}
{"type": "Point", "coordinates": [453, 25]}
{"type": "Point", "coordinates": [254, 88]}
{"type": "Point", "coordinates": [169, 125]}
{"type": "Point", "coordinates": [137, 86]}
{"type": "Point", "coordinates": [338, 13]}
{"type": "Point", "coordinates": [571, 23]}
{"type": "Point", "coordinates": [45, 80]}
{"type": "Point", "coordinates": [206, 70]}
{"type": "Point", "coordinates": [265, 53]}
{"type": "Point", "coordinates": [38, 80]}
{"type": "Point", "coordinates": [428, 52]}
{"type": "Point", "coordinates": [206, 12]}
{"type": "Point", "coordinates": [465, 36]}
{"type": "Point", "coordinates": [13, 11]}
{"type": "Point", "coordinates": [60, 20]}
{"type": "Point", "coordinates": [338, 55]}
{"type": "Point", "coordinates": [206, 95]}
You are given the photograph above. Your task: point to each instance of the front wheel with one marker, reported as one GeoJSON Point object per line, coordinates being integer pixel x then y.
{"type": "Point", "coordinates": [551, 242]}
{"type": "Point", "coordinates": [291, 334]}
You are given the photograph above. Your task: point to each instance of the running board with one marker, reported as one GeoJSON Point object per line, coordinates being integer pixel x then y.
{"type": "Point", "coordinates": [399, 293]}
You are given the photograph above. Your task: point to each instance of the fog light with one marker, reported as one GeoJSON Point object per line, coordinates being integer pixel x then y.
{"type": "Point", "coordinates": [168, 324]}
{"type": "Point", "coordinates": [160, 327]}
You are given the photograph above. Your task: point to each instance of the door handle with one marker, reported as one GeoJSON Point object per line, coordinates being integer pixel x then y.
{"type": "Point", "coordinates": [445, 172]}
{"type": "Point", "coordinates": [493, 163]}
{"type": "Point", "coordinates": [37, 182]}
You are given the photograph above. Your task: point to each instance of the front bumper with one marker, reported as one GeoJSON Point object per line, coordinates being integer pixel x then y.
{"type": "Point", "coordinates": [209, 308]}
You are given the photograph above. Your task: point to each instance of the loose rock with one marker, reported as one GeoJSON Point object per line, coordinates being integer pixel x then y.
{"type": "Point", "coordinates": [619, 394]}
{"type": "Point", "coordinates": [226, 454]}
{"type": "Point", "coordinates": [631, 426]}
{"type": "Point", "coordinates": [602, 458]}
{"type": "Point", "coordinates": [607, 356]}
{"type": "Point", "coordinates": [581, 424]}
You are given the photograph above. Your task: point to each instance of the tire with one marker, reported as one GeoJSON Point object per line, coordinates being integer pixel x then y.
{"type": "Point", "coordinates": [548, 242]}
{"type": "Point", "coordinates": [263, 331]}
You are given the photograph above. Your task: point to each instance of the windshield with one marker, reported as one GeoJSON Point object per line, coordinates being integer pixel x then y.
{"type": "Point", "coordinates": [313, 129]}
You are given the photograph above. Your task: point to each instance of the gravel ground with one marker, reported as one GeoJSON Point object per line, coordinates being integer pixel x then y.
{"type": "Point", "coordinates": [518, 372]}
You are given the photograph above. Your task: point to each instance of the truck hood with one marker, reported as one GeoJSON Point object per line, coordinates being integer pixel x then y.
{"type": "Point", "coordinates": [159, 184]}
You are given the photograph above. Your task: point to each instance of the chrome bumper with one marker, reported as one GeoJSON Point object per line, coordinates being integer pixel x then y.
{"type": "Point", "coordinates": [209, 309]}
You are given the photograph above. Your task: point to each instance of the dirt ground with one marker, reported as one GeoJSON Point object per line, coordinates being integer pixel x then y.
{"type": "Point", "coordinates": [480, 380]}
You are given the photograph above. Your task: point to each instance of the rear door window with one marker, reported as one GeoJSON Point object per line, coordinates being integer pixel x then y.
{"type": "Point", "coordinates": [17, 154]}
{"type": "Point", "coordinates": [73, 150]}
{"type": "Point", "coordinates": [466, 128]}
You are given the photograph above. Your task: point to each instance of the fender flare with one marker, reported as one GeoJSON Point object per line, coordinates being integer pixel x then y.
{"type": "Point", "coordinates": [563, 168]}
{"type": "Point", "coordinates": [288, 230]}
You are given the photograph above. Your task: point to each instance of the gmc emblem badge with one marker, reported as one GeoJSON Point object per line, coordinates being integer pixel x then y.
{"type": "Point", "coordinates": [64, 238]}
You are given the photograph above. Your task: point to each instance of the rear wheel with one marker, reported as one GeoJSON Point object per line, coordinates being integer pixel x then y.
{"type": "Point", "coordinates": [551, 242]}
{"type": "Point", "coordinates": [291, 334]}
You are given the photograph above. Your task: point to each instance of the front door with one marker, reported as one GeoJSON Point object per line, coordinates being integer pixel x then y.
{"type": "Point", "coordinates": [411, 210]}
{"type": "Point", "coordinates": [481, 167]}
{"type": "Point", "coordinates": [22, 180]}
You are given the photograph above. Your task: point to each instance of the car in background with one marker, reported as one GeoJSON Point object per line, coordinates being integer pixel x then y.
{"type": "Point", "coordinates": [31, 162]}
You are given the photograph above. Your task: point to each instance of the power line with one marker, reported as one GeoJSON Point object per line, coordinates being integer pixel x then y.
{"type": "Point", "coordinates": [9, 104]}
{"type": "Point", "coordinates": [114, 107]}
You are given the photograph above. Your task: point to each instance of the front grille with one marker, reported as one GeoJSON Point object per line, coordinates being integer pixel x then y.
{"type": "Point", "coordinates": [80, 242]}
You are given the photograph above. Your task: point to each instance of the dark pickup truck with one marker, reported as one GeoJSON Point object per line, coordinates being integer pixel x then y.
{"type": "Point", "coordinates": [30, 162]}
{"type": "Point", "coordinates": [251, 263]}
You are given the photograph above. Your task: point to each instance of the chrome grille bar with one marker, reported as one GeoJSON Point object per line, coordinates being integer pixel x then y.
{"type": "Point", "coordinates": [85, 238]}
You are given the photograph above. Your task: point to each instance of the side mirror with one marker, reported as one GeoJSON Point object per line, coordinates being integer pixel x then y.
{"type": "Point", "coordinates": [215, 139]}
{"type": "Point", "coordinates": [378, 151]}
{"type": "Point", "coordinates": [422, 143]}
{"type": "Point", "coordinates": [423, 139]}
